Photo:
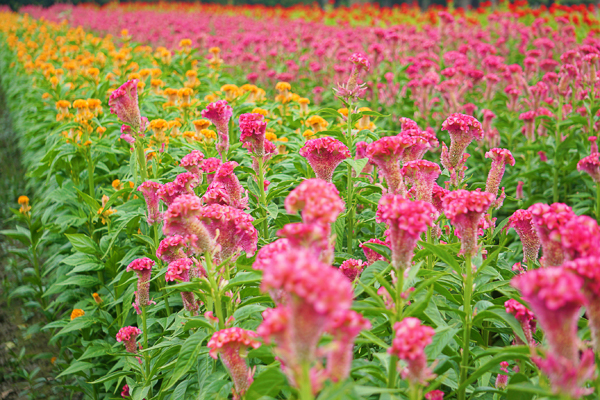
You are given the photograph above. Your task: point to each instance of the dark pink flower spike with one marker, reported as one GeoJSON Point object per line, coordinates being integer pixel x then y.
{"type": "Point", "coordinates": [422, 175]}
{"type": "Point", "coordinates": [317, 200]}
{"type": "Point", "coordinates": [124, 103]}
{"type": "Point", "coordinates": [128, 335]}
{"type": "Point", "coordinates": [324, 155]}
{"type": "Point", "coordinates": [580, 237]}
{"type": "Point", "coordinates": [410, 340]}
{"type": "Point", "coordinates": [522, 222]}
{"type": "Point", "coordinates": [265, 255]}
{"type": "Point", "coordinates": [500, 157]}
{"type": "Point", "coordinates": [591, 166]}
{"type": "Point", "coordinates": [567, 377]}
{"type": "Point", "coordinates": [181, 218]}
{"type": "Point", "coordinates": [219, 113]}
{"type": "Point", "coordinates": [372, 255]}
{"type": "Point", "coordinates": [345, 328]}
{"type": "Point", "coordinates": [313, 237]}
{"type": "Point", "coordinates": [525, 318]}
{"type": "Point", "coordinates": [463, 129]}
{"type": "Point", "coordinates": [226, 189]}
{"type": "Point", "coordinates": [422, 141]}
{"type": "Point", "coordinates": [387, 153]}
{"type": "Point", "coordinates": [143, 268]}
{"type": "Point", "coordinates": [253, 128]}
{"type": "Point", "coordinates": [352, 268]}
{"type": "Point", "coordinates": [547, 221]}
{"type": "Point", "coordinates": [192, 163]}
{"type": "Point", "coordinates": [150, 191]}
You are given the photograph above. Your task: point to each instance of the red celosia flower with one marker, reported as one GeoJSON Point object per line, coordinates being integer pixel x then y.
{"type": "Point", "coordinates": [465, 209]}
{"type": "Point", "coordinates": [591, 165]}
{"type": "Point", "coordinates": [124, 102]}
{"type": "Point", "coordinates": [344, 329]}
{"type": "Point", "coordinates": [192, 163]}
{"type": "Point", "coordinates": [386, 153]}
{"type": "Point", "coordinates": [410, 340]}
{"type": "Point", "coordinates": [318, 201]}
{"type": "Point", "coordinates": [435, 395]}
{"type": "Point", "coordinates": [463, 129]}
{"type": "Point", "coordinates": [128, 335]}
{"type": "Point", "coordinates": [500, 157]}
{"type": "Point", "coordinates": [125, 391]}
{"type": "Point", "coordinates": [547, 221]}
{"type": "Point", "coordinates": [219, 113]}
{"type": "Point", "coordinates": [253, 128]}
{"type": "Point", "coordinates": [522, 222]}
{"type": "Point", "coordinates": [352, 268]}
{"type": "Point", "coordinates": [150, 191]}
{"type": "Point", "coordinates": [181, 218]}
{"type": "Point", "coordinates": [324, 155]}
{"type": "Point", "coordinates": [143, 268]}
{"type": "Point", "coordinates": [406, 220]}
{"type": "Point", "coordinates": [524, 316]}
{"type": "Point", "coordinates": [422, 175]}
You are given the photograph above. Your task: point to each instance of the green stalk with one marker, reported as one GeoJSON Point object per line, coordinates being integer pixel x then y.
{"type": "Point", "coordinates": [91, 174]}
{"type": "Point", "coordinates": [349, 185]}
{"type": "Point", "coordinates": [159, 282]}
{"type": "Point", "coordinates": [263, 197]}
{"type": "Point", "coordinates": [468, 289]}
{"type": "Point", "coordinates": [556, 157]}
{"type": "Point", "coordinates": [392, 373]}
{"type": "Point", "coordinates": [214, 289]}
{"type": "Point", "coordinates": [598, 201]}
{"type": "Point", "coordinates": [144, 325]}
{"type": "Point", "coordinates": [305, 389]}
{"type": "Point", "coordinates": [141, 158]}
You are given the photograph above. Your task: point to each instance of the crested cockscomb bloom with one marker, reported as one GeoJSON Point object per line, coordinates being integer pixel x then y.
{"type": "Point", "coordinates": [406, 220]}
{"type": "Point", "coordinates": [463, 129]}
{"type": "Point", "coordinates": [181, 218]}
{"type": "Point", "coordinates": [465, 210]}
{"type": "Point", "coordinates": [437, 197]}
{"type": "Point", "coordinates": [352, 268]}
{"type": "Point", "coordinates": [143, 268]}
{"type": "Point", "coordinates": [569, 377]}
{"type": "Point", "coordinates": [210, 166]}
{"type": "Point", "coordinates": [226, 189]}
{"type": "Point", "coordinates": [266, 253]}
{"type": "Point", "coordinates": [360, 62]}
{"type": "Point", "coordinates": [591, 165]}
{"type": "Point", "coordinates": [324, 155]}
{"type": "Point", "coordinates": [232, 345]}
{"type": "Point", "coordinates": [150, 191]}
{"type": "Point", "coordinates": [502, 379]}
{"type": "Point", "coordinates": [344, 329]}
{"type": "Point", "coordinates": [547, 221]}
{"type": "Point", "coordinates": [372, 255]}
{"type": "Point", "coordinates": [128, 335]}
{"type": "Point", "coordinates": [231, 229]}
{"type": "Point", "coordinates": [500, 157]}
{"type": "Point", "coordinates": [219, 113]}
{"type": "Point", "coordinates": [525, 318]}
{"type": "Point", "coordinates": [173, 247]}
{"type": "Point", "coordinates": [580, 237]}
{"type": "Point", "coordinates": [183, 184]}
{"type": "Point", "coordinates": [422, 175]}
{"type": "Point", "coordinates": [422, 141]}
{"type": "Point", "coordinates": [181, 270]}
{"type": "Point", "coordinates": [192, 163]}
{"type": "Point", "coordinates": [252, 132]}
{"type": "Point", "coordinates": [410, 340]}
{"type": "Point", "coordinates": [125, 391]}
{"type": "Point", "coordinates": [314, 237]}
{"type": "Point", "coordinates": [386, 153]}
{"type": "Point", "coordinates": [352, 89]}
{"type": "Point", "coordinates": [588, 269]}
{"type": "Point", "coordinates": [317, 200]}
{"type": "Point", "coordinates": [124, 103]}
{"type": "Point", "coordinates": [435, 395]}
{"type": "Point", "coordinates": [555, 297]}
{"type": "Point", "coordinates": [522, 222]}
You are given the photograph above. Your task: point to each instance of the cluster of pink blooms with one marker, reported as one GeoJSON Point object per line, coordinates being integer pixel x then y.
{"type": "Point", "coordinates": [128, 335]}
{"type": "Point", "coordinates": [410, 340]}
{"type": "Point", "coordinates": [143, 267]}
{"type": "Point", "coordinates": [324, 155]}
{"type": "Point", "coordinates": [219, 113]}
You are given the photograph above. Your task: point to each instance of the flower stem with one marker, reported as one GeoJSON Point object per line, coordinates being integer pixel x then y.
{"type": "Point", "coordinates": [349, 184]}
{"type": "Point", "coordinates": [468, 289]}
{"type": "Point", "coordinates": [392, 373]}
{"type": "Point", "coordinates": [91, 174]}
{"type": "Point", "coordinates": [598, 201]}
{"type": "Point", "coordinates": [305, 389]}
{"type": "Point", "coordinates": [144, 325]}
{"type": "Point", "coordinates": [263, 197]}
{"type": "Point", "coordinates": [141, 158]}
{"type": "Point", "coordinates": [556, 158]}
{"type": "Point", "coordinates": [216, 295]}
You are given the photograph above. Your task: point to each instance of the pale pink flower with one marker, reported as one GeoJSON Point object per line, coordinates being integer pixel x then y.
{"type": "Point", "coordinates": [410, 340]}
{"type": "Point", "coordinates": [233, 344]}
{"type": "Point", "coordinates": [519, 192]}
{"type": "Point", "coordinates": [324, 155]}
{"type": "Point", "coordinates": [387, 153]}
{"type": "Point", "coordinates": [219, 113]}
{"type": "Point", "coordinates": [318, 201]}
{"type": "Point", "coordinates": [344, 329]}
{"type": "Point", "coordinates": [181, 270]}
{"type": "Point", "coordinates": [500, 157]}
{"type": "Point", "coordinates": [143, 268]}
{"type": "Point", "coordinates": [501, 379]}
{"type": "Point", "coordinates": [150, 191]}
{"type": "Point", "coordinates": [352, 268]}
{"type": "Point", "coordinates": [253, 128]}
{"type": "Point", "coordinates": [422, 175]}
{"type": "Point", "coordinates": [547, 221]}
{"type": "Point", "coordinates": [183, 184]}
{"type": "Point", "coordinates": [128, 335]}
{"type": "Point", "coordinates": [124, 103]}
{"type": "Point", "coordinates": [192, 162]}
{"type": "Point", "coordinates": [181, 218]}
{"type": "Point", "coordinates": [465, 210]}
{"type": "Point", "coordinates": [590, 165]}
{"type": "Point", "coordinates": [226, 189]}
{"type": "Point", "coordinates": [522, 222]}
{"type": "Point", "coordinates": [525, 318]}
{"type": "Point", "coordinates": [463, 129]}
{"type": "Point", "coordinates": [372, 255]}
{"type": "Point", "coordinates": [568, 377]}
{"type": "Point", "coordinates": [406, 220]}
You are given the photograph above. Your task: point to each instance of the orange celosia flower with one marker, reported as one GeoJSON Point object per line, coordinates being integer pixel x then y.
{"type": "Point", "coordinates": [231, 91]}
{"type": "Point", "coordinates": [316, 123]}
{"type": "Point", "coordinates": [104, 214]}
{"type": "Point", "coordinates": [270, 136]}
{"type": "Point", "coordinates": [308, 134]}
{"type": "Point", "coordinates": [97, 298]}
{"type": "Point", "coordinates": [200, 124]}
{"type": "Point", "coordinates": [260, 111]}
{"type": "Point", "coordinates": [117, 184]}
{"type": "Point", "coordinates": [76, 313]}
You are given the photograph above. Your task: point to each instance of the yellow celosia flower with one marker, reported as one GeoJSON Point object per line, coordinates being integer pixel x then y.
{"type": "Point", "coordinates": [316, 123]}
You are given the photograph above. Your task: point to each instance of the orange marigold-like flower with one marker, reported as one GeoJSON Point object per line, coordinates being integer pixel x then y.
{"type": "Point", "coordinates": [76, 313]}
{"type": "Point", "coordinates": [316, 123]}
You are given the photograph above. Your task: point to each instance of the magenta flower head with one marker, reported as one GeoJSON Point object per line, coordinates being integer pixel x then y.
{"type": "Point", "coordinates": [233, 344]}
{"type": "Point", "coordinates": [143, 268]}
{"type": "Point", "coordinates": [547, 221]}
{"type": "Point", "coordinates": [435, 395]}
{"type": "Point", "coordinates": [465, 209]}
{"type": "Point", "coordinates": [265, 255]}
{"type": "Point", "coordinates": [210, 166]}
{"type": "Point", "coordinates": [525, 318]}
{"type": "Point", "coordinates": [580, 237]}
{"type": "Point", "coordinates": [219, 113]}
{"type": "Point", "coordinates": [125, 391]}
{"type": "Point", "coordinates": [360, 62]}
{"type": "Point", "coordinates": [183, 184]}
{"type": "Point", "coordinates": [128, 335]}
{"type": "Point", "coordinates": [422, 175]}
{"type": "Point", "coordinates": [406, 220]}
{"type": "Point", "coordinates": [124, 102]}
{"type": "Point", "coordinates": [324, 155]}
{"type": "Point", "coordinates": [372, 255]}
{"type": "Point", "coordinates": [422, 141]}
{"type": "Point", "coordinates": [150, 191]}
{"type": "Point", "coordinates": [226, 189]}
{"type": "Point", "coordinates": [181, 270]}
{"type": "Point", "coordinates": [555, 297]}
{"type": "Point", "coordinates": [567, 377]}
{"type": "Point", "coordinates": [231, 229]}
{"type": "Point", "coordinates": [344, 329]}
{"type": "Point", "coordinates": [314, 237]}
{"type": "Point", "coordinates": [174, 247]}
{"type": "Point", "coordinates": [591, 165]}
{"type": "Point", "coordinates": [193, 162]}
{"type": "Point", "coordinates": [500, 157]}
{"type": "Point", "coordinates": [437, 197]}
{"type": "Point", "coordinates": [501, 379]}
{"type": "Point", "coordinates": [522, 222]}
{"type": "Point", "coordinates": [317, 200]}
{"type": "Point", "coordinates": [352, 268]}
{"type": "Point", "coordinates": [588, 269]}
{"type": "Point", "coordinates": [181, 218]}
{"type": "Point", "coordinates": [410, 340]}
{"type": "Point", "coordinates": [463, 129]}
{"type": "Point", "coordinates": [253, 128]}
{"type": "Point", "coordinates": [386, 153]}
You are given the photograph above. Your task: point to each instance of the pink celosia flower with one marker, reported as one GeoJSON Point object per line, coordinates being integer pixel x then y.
{"type": "Point", "coordinates": [525, 318]}
{"type": "Point", "coordinates": [547, 221]}
{"type": "Point", "coordinates": [314, 237]}
{"type": "Point", "coordinates": [519, 193]}
{"type": "Point", "coordinates": [124, 102]}
{"type": "Point", "coordinates": [127, 137]}
{"type": "Point", "coordinates": [324, 155]}
{"type": "Point", "coordinates": [372, 255]}
{"type": "Point", "coordinates": [265, 255]}
{"type": "Point", "coordinates": [501, 379]}
{"type": "Point", "coordinates": [522, 222]}
{"type": "Point", "coordinates": [590, 165]}
{"type": "Point", "coordinates": [181, 270]}
{"type": "Point", "coordinates": [210, 166]}
{"type": "Point", "coordinates": [150, 191]}
{"type": "Point", "coordinates": [593, 144]}
{"type": "Point", "coordinates": [568, 377]}
{"type": "Point", "coordinates": [500, 157]}
{"type": "Point", "coordinates": [437, 197]}
{"type": "Point", "coordinates": [422, 175]}
{"type": "Point", "coordinates": [421, 142]}
{"type": "Point", "coordinates": [463, 129]}
{"type": "Point", "coordinates": [128, 335]}
{"type": "Point", "coordinates": [253, 128]}
{"type": "Point", "coordinates": [529, 128]}
{"type": "Point", "coordinates": [192, 163]}
{"type": "Point", "coordinates": [465, 210]}
{"type": "Point", "coordinates": [231, 229]}
{"type": "Point", "coordinates": [580, 237]}
{"type": "Point", "coordinates": [406, 220]}
{"type": "Point", "coordinates": [173, 247]}
{"type": "Point", "coordinates": [125, 391]}
{"type": "Point", "coordinates": [181, 218]}
{"type": "Point", "coordinates": [386, 153]}
{"type": "Point", "coordinates": [361, 152]}
{"type": "Point", "coordinates": [352, 89]}
{"type": "Point", "coordinates": [143, 268]}
{"type": "Point", "coordinates": [226, 189]}
{"type": "Point", "coordinates": [435, 395]}
{"type": "Point", "coordinates": [318, 201]}
{"type": "Point", "coordinates": [352, 268]}
{"type": "Point", "coordinates": [219, 113]}
{"type": "Point", "coordinates": [233, 344]}
{"type": "Point", "coordinates": [360, 62]}
{"type": "Point", "coordinates": [344, 329]}
{"type": "Point", "coordinates": [407, 123]}
{"type": "Point", "coordinates": [183, 184]}
{"type": "Point", "coordinates": [410, 340]}
{"type": "Point", "coordinates": [555, 297]}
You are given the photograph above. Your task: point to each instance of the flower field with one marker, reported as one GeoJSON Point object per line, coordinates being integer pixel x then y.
{"type": "Point", "coordinates": [266, 203]}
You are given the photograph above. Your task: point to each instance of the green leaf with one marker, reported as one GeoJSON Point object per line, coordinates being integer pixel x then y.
{"type": "Point", "coordinates": [110, 377]}
{"type": "Point", "coordinates": [77, 366]}
{"type": "Point", "coordinates": [439, 251]}
{"type": "Point", "coordinates": [357, 165]}
{"type": "Point", "coordinates": [83, 243]}
{"type": "Point", "coordinates": [440, 340]}
{"type": "Point", "coordinates": [81, 281]}
{"type": "Point", "coordinates": [243, 279]}
{"type": "Point", "coordinates": [267, 383]}
{"type": "Point", "coordinates": [187, 357]}
{"type": "Point", "coordinates": [501, 315]}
